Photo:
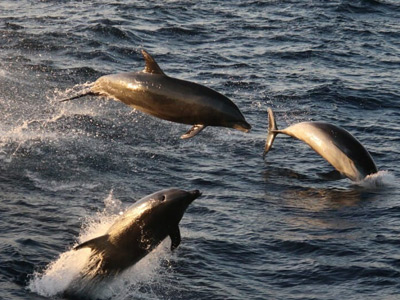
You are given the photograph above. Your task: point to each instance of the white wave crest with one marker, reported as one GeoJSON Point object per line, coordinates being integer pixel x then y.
{"type": "Point", "coordinates": [378, 180]}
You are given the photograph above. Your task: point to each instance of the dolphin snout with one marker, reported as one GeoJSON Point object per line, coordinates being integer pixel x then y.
{"type": "Point", "coordinates": [194, 194]}
{"type": "Point", "coordinates": [243, 126]}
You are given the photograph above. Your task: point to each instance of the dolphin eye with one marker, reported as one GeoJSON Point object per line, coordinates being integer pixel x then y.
{"type": "Point", "coordinates": [163, 198]}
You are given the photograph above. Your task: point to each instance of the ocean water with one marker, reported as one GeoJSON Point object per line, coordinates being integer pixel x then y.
{"type": "Point", "coordinates": [262, 229]}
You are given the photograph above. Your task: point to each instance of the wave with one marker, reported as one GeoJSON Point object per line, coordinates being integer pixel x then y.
{"type": "Point", "coordinates": [108, 31]}
{"type": "Point", "coordinates": [367, 6]}
{"type": "Point", "coordinates": [181, 30]}
{"type": "Point", "coordinates": [337, 92]}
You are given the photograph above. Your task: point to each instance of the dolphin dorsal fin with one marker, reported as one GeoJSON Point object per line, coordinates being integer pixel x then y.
{"type": "Point", "coordinates": [151, 65]}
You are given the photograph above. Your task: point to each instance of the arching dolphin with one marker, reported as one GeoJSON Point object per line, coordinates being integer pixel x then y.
{"type": "Point", "coordinates": [343, 151]}
{"type": "Point", "coordinates": [138, 231]}
{"type": "Point", "coordinates": [180, 101]}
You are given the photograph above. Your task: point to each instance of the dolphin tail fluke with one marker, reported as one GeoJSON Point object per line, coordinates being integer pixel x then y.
{"type": "Point", "coordinates": [89, 93]}
{"type": "Point", "coordinates": [97, 243]}
{"type": "Point", "coordinates": [272, 132]}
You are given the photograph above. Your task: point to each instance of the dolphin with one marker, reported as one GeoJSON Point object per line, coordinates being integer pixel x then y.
{"type": "Point", "coordinates": [139, 230]}
{"type": "Point", "coordinates": [171, 99]}
{"type": "Point", "coordinates": [342, 150]}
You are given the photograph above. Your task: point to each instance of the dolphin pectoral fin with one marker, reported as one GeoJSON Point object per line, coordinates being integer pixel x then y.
{"type": "Point", "coordinates": [193, 131]}
{"type": "Point", "coordinates": [175, 236]}
{"type": "Point", "coordinates": [97, 243]}
{"type": "Point", "coordinates": [332, 175]}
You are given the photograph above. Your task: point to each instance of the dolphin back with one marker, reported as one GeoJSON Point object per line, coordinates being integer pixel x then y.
{"type": "Point", "coordinates": [353, 149]}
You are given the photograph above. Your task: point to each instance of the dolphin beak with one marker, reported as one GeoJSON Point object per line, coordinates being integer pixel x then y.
{"type": "Point", "coordinates": [244, 126]}
{"type": "Point", "coordinates": [194, 195]}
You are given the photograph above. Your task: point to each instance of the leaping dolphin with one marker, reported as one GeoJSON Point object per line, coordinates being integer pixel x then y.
{"type": "Point", "coordinates": [137, 232]}
{"type": "Point", "coordinates": [180, 101]}
{"type": "Point", "coordinates": [342, 150]}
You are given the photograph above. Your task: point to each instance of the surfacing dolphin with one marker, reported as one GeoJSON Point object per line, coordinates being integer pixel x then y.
{"type": "Point", "coordinates": [180, 101]}
{"type": "Point", "coordinates": [142, 227]}
{"type": "Point", "coordinates": [342, 150]}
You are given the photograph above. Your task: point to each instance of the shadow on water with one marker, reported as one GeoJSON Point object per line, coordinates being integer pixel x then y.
{"type": "Point", "coordinates": [318, 199]}
{"type": "Point", "coordinates": [315, 209]}
{"type": "Point", "coordinates": [312, 193]}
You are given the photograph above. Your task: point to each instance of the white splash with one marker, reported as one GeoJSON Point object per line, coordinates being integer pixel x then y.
{"type": "Point", "coordinates": [76, 89]}
{"type": "Point", "coordinates": [58, 275]}
{"type": "Point", "coordinates": [29, 130]}
{"type": "Point", "coordinates": [380, 179]}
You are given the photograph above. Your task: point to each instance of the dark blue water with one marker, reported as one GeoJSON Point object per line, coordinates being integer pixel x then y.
{"type": "Point", "coordinates": [261, 230]}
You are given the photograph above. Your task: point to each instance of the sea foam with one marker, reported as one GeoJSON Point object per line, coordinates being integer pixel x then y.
{"type": "Point", "coordinates": [378, 180]}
